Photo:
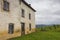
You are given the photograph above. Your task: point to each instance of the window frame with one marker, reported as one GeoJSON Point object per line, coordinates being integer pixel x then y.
{"type": "Point", "coordinates": [11, 28]}
{"type": "Point", "coordinates": [30, 16]}
{"type": "Point", "coordinates": [30, 27]}
{"type": "Point", "coordinates": [6, 5]}
{"type": "Point", "coordinates": [23, 13]}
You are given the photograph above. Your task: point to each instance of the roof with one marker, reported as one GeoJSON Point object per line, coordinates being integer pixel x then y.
{"type": "Point", "coordinates": [28, 5]}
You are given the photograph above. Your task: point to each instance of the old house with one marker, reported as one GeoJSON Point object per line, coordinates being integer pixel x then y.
{"type": "Point", "coordinates": [16, 17]}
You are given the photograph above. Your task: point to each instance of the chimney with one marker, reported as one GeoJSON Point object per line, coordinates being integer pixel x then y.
{"type": "Point", "coordinates": [29, 4]}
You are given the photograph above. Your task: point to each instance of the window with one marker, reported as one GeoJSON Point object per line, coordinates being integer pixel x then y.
{"type": "Point", "coordinates": [30, 27]}
{"type": "Point", "coordinates": [23, 26]}
{"type": "Point", "coordinates": [11, 28]}
{"type": "Point", "coordinates": [5, 5]}
{"type": "Point", "coordinates": [20, 1]}
{"type": "Point", "coordinates": [23, 15]}
{"type": "Point", "coordinates": [29, 16]}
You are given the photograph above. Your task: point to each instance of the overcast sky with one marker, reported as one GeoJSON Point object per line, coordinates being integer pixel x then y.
{"type": "Point", "coordinates": [48, 11]}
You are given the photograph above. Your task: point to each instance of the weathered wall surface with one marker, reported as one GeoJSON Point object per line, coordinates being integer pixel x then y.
{"type": "Point", "coordinates": [9, 17]}
{"type": "Point", "coordinates": [26, 19]}
{"type": "Point", "coordinates": [14, 16]}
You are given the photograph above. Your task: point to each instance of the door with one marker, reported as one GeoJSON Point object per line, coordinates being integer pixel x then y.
{"type": "Point", "coordinates": [11, 28]}
{"type": "Point", "coordinates": [22, 28]}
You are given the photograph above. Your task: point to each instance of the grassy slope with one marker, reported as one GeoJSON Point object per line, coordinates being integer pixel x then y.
{"type": "Point", "coordinates": [48, 35]}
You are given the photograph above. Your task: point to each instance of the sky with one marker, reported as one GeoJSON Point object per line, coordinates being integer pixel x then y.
{"type": "Point", "coordinates": [48, 11]}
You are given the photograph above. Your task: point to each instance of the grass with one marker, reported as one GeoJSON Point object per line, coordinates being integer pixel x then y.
{"type": "Point", "coordinates": [40, 35]}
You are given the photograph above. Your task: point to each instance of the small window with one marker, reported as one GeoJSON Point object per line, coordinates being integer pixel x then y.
{"type": "Point", "coordinates": [5, 5]}
{"type": "Point", "coordinates": [30, 27]}
{"type": "Point", "coordinates": [29, 16]}
{"type": "Point", "coordinates": [20, 1]}
{"type": "Point", "coordinates": [23, 13]}
{"type": "Point", "coordinates": [23, 26]}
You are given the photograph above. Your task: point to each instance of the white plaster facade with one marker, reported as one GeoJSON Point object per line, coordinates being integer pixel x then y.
{"type": "Point", "coordinates": [14, 16]}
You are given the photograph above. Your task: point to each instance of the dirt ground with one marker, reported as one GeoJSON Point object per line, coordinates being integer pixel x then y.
{"type": "Point", "coordinates": [7, 36]}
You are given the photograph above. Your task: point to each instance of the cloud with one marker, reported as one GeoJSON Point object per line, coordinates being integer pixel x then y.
{"type": "Point", "coordinates": [48, 11]}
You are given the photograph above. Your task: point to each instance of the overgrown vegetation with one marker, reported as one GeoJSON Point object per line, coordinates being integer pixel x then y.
{"type": "Point", "coordinates": [51, 28]}
{"type": "Point", "coordinates": [42, 33]}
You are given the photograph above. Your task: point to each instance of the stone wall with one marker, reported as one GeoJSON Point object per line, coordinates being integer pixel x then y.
{"type": "Point", "coordinates": [14, 16]}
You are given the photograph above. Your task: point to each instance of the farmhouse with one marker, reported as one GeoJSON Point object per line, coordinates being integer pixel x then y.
{"type": "Point", "coordinates": [16, 17]}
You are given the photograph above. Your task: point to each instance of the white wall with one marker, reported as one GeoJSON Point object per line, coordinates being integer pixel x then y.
{"type": "Point", "coordinates": [14, 16]}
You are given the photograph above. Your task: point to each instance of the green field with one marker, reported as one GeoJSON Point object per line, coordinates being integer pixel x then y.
{"type": "Point", "coordinates": [41, 35]}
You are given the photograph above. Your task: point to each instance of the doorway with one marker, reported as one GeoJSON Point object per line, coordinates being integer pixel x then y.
{"type": "Point", "coordinates": [22, 28]}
